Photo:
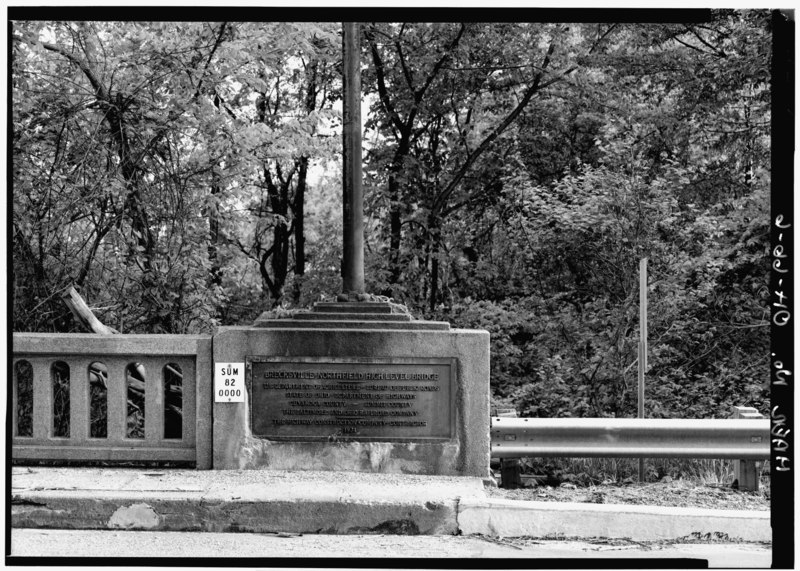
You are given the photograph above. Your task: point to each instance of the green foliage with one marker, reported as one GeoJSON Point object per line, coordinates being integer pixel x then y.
{"type": "Point", "coordinates": [186, 175]}
{"type": "Point", "coordinates": [23, 377]}
{"type": "Point", "coordinates": [673, 175]}
{"type": "Point", "coordinates": [61, 409]}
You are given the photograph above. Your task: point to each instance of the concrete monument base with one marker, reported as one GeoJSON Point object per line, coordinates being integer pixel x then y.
{"type": "Point", "coordinates": [353, 387]}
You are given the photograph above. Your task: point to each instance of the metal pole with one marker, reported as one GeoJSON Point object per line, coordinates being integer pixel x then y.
{"type": "Point", "coordinates": [352, 196]}
{"type": "Point", "coordinates": [642, 347]}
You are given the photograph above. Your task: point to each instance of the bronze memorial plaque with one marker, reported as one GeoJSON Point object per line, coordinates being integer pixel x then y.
{"type": "Point", "coordinates": [319, 398]}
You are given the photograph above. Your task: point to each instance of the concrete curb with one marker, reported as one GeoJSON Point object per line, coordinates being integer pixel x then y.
{"type": "Point", "coordinates": [268, 501]}
{"type": "Point", "coordinates": [510, 518]}
{"type": "Point", "coordinates": [196, 514]}
{"type": "Point", "coordinates": [258, 501]}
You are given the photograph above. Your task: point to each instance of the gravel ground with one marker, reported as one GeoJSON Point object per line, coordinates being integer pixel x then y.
{"type": "Point", "coordinates": [677, 493]}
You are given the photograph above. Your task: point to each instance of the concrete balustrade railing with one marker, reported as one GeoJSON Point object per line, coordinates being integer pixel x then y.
{"type": "Point", "coordinates": [85, 397]}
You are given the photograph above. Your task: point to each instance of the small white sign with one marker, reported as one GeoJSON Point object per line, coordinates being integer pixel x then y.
{"type": "Point", "coordinates": [229, 382]}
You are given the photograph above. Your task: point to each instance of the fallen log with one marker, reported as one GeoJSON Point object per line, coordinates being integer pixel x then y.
{"type": "Point", "coordinates": [83, 314]}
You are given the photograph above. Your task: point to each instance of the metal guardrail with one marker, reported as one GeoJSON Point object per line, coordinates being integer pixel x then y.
{"type": "Point", "coordinates": [741, 439]}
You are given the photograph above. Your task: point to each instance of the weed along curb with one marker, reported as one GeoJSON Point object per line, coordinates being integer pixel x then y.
{"type": "Point", "coordinates": [513, 518]}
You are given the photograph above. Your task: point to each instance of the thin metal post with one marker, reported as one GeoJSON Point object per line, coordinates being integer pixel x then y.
{"type": "Point", "coordinates": [352, 197]}
{"type": "Point", "coordinates": [746, 472]}
{"type": "Point", "coordinates": [642, 347]}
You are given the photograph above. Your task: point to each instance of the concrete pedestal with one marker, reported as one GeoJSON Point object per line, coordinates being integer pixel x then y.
{"type": "Point", "coordinates": [356, 337]}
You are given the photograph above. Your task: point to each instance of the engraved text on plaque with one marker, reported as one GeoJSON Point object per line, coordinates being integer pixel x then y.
{"type": "Point", "coordinates": [311, 398]}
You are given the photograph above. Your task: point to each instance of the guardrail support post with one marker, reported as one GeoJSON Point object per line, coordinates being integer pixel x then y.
{"type": "Point", "coordinates": [510, 473]}
{"type": "Point", "coordinates": [510, 468]}
{"type": "Point", "coordinates": [746, 472]}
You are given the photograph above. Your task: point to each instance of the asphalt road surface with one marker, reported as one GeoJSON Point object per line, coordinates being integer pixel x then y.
{"type": "Point", "coordinates": [137, 544]}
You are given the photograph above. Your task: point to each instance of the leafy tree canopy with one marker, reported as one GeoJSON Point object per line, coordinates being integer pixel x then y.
{"type": "Point", "coordinates": [185, 175]}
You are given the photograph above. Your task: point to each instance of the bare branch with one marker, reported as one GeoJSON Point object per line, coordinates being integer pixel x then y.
{"type": "Point", "coordinates": [690, 46]}
{"type": "Point", "coordinates": [717, 52]}
{"type": "Point", "coordinates": [438, 66]}
{"type": "Point", "coordinates": [603, 37]}
{"type": "Point", "coordinates": [380, 73]}
{"type": "Point", "coordinates": [406, 72]}
{"type": "Point", "coordinates": [217, 43]}
{"type": "Point", "coordinates": [88, 71]}
{"type": "Point", "coordinates": [534, 88]}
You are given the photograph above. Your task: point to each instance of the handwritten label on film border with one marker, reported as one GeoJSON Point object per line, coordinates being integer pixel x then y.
{"type": "Point", "coordinates": [781, 374]}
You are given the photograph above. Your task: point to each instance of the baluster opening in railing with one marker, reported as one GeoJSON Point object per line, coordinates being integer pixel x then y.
{"type": "Point", "coordinates": [135, 377]}
{"type": "Point", "coordinates": [59, 375]}
{"type": "Point", "coordinates": [173, 401]}
{"type": "Point", "coordinates": [98, 400]}
{"type": "Point", "coordinates": [23, 403]}
{"type": "Point", "coordinates": [111, 398]}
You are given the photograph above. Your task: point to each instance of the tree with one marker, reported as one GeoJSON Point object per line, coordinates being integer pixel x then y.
{"type": "Point", "coordinates": [185, 175]}
{"type": "Point", "coordinates": [679, 174]}
{"type": "Point", "coordinates": [447, 95]}
{"type": "Point", "coordinates": [293, 90]}
{"type": "Point", "coordinates": [156, 124]}
{"type": "Point", "coordinates": [113, 141]}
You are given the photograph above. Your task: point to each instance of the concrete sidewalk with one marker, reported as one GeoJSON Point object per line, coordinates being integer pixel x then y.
{"type": "Point", "coordinates": [262, 501]}
{"type": "Point", "coordinates": [322, 550]}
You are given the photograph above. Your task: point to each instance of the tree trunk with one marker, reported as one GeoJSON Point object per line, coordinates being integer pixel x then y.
{"type": "Point", "coordinates": [749, 151]}
{"type": "Point", "coordinates": [395, 224]}
{"type": "Point", "coordinates": [215, 273]}
{"type": "Point", "coordinates": [434, 278]}
{"type": "Point", "coordinates": [395, 217]}
{"type": "Point", "coordinates": [299, 228]}
{"type": "Point", "coordinates": [280, 262]}
{"type": "Point", "coordinates": [29, 285]}
{"type": "Point", "coordinates": [159, 319]}
{"type": "Point", "coordinates": [279, 258]}
{"type": "Point", "coordinates": [435, 247]}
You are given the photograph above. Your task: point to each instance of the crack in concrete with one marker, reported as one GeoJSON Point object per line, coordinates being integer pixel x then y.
{"type": "Point", "coordinates": [17, 501]}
